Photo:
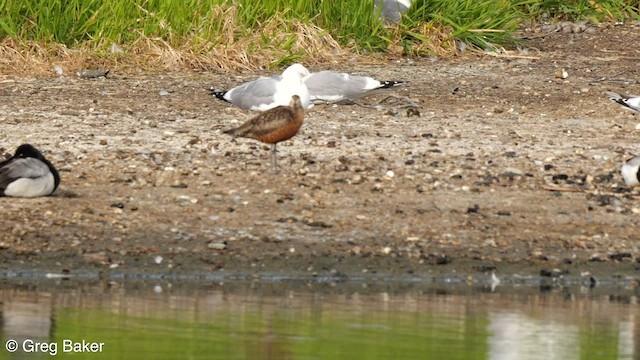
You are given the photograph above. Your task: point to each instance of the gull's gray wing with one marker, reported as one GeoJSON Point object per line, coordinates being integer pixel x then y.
{"type": "Point", "coordinates": [254, 93]}
{"type": "Point", "coordinates": [332, 86]}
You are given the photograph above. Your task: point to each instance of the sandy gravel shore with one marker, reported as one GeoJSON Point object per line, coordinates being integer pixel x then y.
{"type": "Point", "coordinates": [506, 167]}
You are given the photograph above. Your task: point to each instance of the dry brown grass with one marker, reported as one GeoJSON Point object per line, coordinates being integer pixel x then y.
{"type": "Point", "coordinates": [278, 41]}
{"type": "Point", "coordinates": [434, 40]}
{"type": "Point", "coordinates": [231, 50]}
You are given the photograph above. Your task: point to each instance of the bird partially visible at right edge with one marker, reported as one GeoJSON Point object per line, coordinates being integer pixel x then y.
{"type": "Point", "coordinates": [631, 171]}
{"type": "Point", "coordinates": [273, 126]}
{"type": "Point", "coordinates": [629, 102]}
{"type": "Point", "coordinates": [28, 174]}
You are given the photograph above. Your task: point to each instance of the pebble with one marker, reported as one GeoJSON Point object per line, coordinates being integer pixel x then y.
{"type": "Point", "coordinates": [390, 173]}
{"type": "Point", "coordinates": [163, 92]}
{"type": "Point", "coordinates": [92, 74]}
{"type": "Point", "coordinates": [357, 179]}
{"type": "Point", "coordinates": [216, 245]}
{"type": "Point", "coordinates": [186, 199]}
{"type": "Point", "coordinates": [158, 259]}
{"type": "Point", "coordinates": [490, 242]}
{"type": "Point", "coordinates": [514, 171]}
{"type": "Point", "coordinates": [561, 74]}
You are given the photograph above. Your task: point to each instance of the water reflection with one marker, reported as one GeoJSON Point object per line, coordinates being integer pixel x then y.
{"type": "Point", "coordinates": [289, 321]}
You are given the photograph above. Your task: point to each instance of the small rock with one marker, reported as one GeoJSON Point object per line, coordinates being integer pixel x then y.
{"type": "Point", "coordinates": [216, 245]}
{"type": "Point", "coordinates": [561, 73]}
{"type": "Point", "coordinates": [490, 242]}
{"type": "Point", "coordinates": [158, 259]}
{"type": "Point", "coordinates": [92, 74]}
{"type": "Point", "coordinates": [513, 171]}
{"type": "Point", "coordinates": [620, 256]}
{"type": "Point", "coordinates": [412, 112]}
{"type": "Point", "coordinates": [553, 273]}
{"type": "Point", "coordinates": [186, 199]}
{"type": "Point", "coordinates": [443, 260]}
{"type": "Point", "coordinates": [559, 177]}
{"type": "Point", "coordinates": [597, 258]}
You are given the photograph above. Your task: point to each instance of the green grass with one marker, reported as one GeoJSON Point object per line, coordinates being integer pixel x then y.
{"type": "Point", "coordinates": [277, 32]}
{"type": "Point", "coordinates": [481, 23]}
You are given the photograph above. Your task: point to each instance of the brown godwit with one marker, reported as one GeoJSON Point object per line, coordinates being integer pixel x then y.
{"type": "Point", "coordinates": [272, 126]}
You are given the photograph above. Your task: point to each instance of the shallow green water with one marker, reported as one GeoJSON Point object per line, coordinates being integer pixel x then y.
{"type": "Point", "coordinates": [280, 321]}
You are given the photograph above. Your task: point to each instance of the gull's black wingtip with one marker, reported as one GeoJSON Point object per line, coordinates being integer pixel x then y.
{"type": "Point", "coordinates": [219, 94]}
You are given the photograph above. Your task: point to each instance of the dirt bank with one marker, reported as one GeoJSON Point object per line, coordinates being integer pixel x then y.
{"type": "Point", "coordinates": [507, 167]}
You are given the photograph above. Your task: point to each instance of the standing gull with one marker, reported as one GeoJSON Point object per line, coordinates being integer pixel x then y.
{"type": "Point", "coordinates": [269, 92]}
{"type": "Point", "coordinates": [272, 126]}
{"type": "Point", "coordinates": [28, 174]}
{"type": "Point", "coordinates": [329, 86]}
{"type": "Point", "coordinates": [628, 102]}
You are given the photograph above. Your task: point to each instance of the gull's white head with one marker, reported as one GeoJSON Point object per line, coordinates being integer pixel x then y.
{"type": "Point", "coordinates": [295, 70]}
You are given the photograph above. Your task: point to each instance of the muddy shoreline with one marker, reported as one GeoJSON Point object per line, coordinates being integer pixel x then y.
{"type": "Point", "coordinates": [506, 169]}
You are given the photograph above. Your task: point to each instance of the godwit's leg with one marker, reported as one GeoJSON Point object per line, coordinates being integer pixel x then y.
{"type": "Point", "coordinates": [273, 159]}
